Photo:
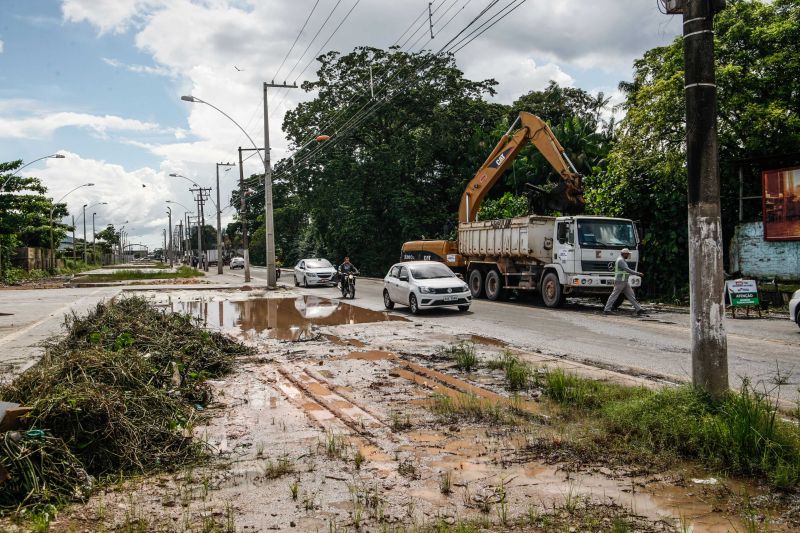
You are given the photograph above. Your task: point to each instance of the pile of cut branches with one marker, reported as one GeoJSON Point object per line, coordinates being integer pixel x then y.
{"type": "Point", "coordinates": [118, 394]}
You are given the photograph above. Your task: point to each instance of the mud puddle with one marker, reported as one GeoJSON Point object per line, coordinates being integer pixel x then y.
{"type": "Point", "coordinates": [289, 319]}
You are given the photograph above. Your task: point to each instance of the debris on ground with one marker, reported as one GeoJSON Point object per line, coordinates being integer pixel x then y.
{"type": "Point", "coordinates": [118, 394]}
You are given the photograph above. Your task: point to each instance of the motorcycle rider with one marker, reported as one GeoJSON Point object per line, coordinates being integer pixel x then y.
{"type": "Point", "coordinates": [344, 269]}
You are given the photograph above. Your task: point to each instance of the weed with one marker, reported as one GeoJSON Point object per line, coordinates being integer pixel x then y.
{"type": "Point", "coordinates": [260, 449]}
{"type": "Point", "coordinates": [517, 373]}
{"type": "Point", "coordinates": [407, 469]}
{"type": "Point", "coordinates": [230, 518]}
{"type": "Point", "coordinates": [309, 501]}
{"type": "Point", "coordinates": [445, 483]}
{"type": "Point", "coordinates": [294, 489]}
{"type": "Point", "coordinates": [471, 408]}
{"type": "Point", "coordinates": [463, 354]}
{"type": "Point", "coordinates": [400, 423]}
{"type": "Point", "coordinates": [358, 516]}
{"type": "Point", "coordinates": [359, 459]}
{"type": "Point", "coordinates": [502, 502]}
{"type": "Point", "coordinates": [335, 446]}
{"type": "Point", "coordinates": [281, 467]}
{"type": "Point", "coordinates": [574, 391]}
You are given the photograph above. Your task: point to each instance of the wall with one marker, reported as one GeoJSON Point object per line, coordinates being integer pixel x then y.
{"type": "Point", "coordinates": [756, 258]}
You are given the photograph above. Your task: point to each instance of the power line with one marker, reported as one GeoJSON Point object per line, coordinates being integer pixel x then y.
{"type": "Point", "coordinates": [361, 115]}
{"type": "Point", "coordinates": [295, 40]}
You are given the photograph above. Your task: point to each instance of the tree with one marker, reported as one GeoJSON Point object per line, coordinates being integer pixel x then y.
{"type": "Point", "coordinates": [25, 213]}
{"type": "Point", "coordinates": [209, 237]}
{"type": "Point", "coordinates": [108, 239]}
{"type": "Point", "coordinates": [399, 173]}
{"type": "Point", "coordinates": [507, 206]}
{"type": "Point", "coordinates": [758, 75]}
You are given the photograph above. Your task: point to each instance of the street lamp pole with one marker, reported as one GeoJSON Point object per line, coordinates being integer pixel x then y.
{"type": "Point", "coordinates": [85, 257]}
{"type": "Point", "coordinates": [94, 239]}
{"type": "Point", "coordinates": [53, 156]}
{"type": "Point", "coordinates": [52, 238]}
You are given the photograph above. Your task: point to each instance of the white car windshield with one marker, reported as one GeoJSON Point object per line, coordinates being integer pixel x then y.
{"type": "Point", "coordinates": [321, 263]}
{"type": "Point", "coordinates": [431, 272]}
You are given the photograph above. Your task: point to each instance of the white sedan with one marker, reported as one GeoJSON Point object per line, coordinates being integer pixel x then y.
{"type": "Point", "coordinates": [423, 285]}
{"type": "Point", "coordinates": [314, 272]}
{"type": "Point", "coordinates": [794, 307]}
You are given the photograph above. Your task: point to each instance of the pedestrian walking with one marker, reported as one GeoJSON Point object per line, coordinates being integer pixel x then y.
{"type": "Point", "coordinates": [621, 286]}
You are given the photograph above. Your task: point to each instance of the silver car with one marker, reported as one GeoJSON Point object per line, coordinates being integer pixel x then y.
{"type": "Point", "coordinates": [309, 272]}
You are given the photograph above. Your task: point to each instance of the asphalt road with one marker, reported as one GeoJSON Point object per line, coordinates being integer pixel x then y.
{"type": "Point", "coordinates": [656, 346]}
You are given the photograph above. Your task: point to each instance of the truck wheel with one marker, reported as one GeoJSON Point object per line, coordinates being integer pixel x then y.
{"type": "Point", "coordinates": [494, 285]}
{"type": "Point", "coordinates": [476, 283]}
{"type": "Point", "coordinates": [552, 294]}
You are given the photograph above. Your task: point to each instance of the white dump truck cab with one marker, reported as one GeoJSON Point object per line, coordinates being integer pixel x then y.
{"type": "Point", "coordinates": [585, 249]}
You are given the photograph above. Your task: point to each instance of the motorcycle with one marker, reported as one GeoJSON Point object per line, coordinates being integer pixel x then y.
{"type": "Point", "coordinates": [348, 285]}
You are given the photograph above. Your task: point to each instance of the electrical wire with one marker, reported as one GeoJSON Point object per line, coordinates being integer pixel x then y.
{"type": "Point", "coordinates": [360, 116]}
{"type": "Point", "coordinates": [295, 41]}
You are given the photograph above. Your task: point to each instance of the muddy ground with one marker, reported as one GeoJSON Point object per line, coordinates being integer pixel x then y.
{"type": "Point", "coordinates": [330, 428]}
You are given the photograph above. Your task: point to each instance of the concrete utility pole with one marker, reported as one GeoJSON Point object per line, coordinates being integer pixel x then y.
{"type": "Point", "coordinates": [219, 219]}
{"type": "Point", "coordinates": [268, 210]}
{"type": "Point", "coordinates": [94, 238]}
{"type": "Point", "coordinates": [243, 195]}
{"type": "Point", "coordinates": [706, 276]}
{"type": "Point", "coordinates": [85, 260]}
{"type": "Point", "coordinates": [169, 223]}
{"type": "Point", "coordinates": [74, 244]}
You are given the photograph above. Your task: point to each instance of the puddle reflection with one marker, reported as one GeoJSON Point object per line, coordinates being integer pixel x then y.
{"type": "Point", "coordinates": [281, 318]}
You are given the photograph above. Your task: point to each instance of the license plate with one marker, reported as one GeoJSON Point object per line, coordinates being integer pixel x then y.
{"type": "Point", "coordinates": [450, 298]}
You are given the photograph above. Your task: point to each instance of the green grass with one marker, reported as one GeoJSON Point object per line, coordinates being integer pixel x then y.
{"type": "Point", "coordinates": [131, 275]}
{"type": "Point", "coordinates": [738, 434]}
{"type": "Point", "coordinates": [463, 354]}
{"type": "Point", "coordinates": [517, 373]}
{"type": "Point", "coordinates": [472, 408]}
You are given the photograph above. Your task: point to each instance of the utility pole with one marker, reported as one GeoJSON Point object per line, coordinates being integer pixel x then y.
{"type": "Point", "coordinates": [202, 195]}
{"type": "Point", "coordinates": [85, 260]}
{"type": "Point", "coordinates": [706, 276]}
{"type": "Point", "coordinates": [74, 244]}
{"type": "Point", "coordinates": [430, 18]}
{"type": "Point", "coordinates": [268, 209]}
{"type": "Point", "coordinates": [219, 220]}
{"type": "Point", "coordinates": [169, 224]}
{"type": "Point", "coordinates": [243, 201]}
{"type": "Point", "coordinates": [94, 238]}
{"type": "Point", "coordinates": [164, 249]}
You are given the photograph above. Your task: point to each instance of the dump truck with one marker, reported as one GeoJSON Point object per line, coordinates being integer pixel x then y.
{"type": "Point", "coordinates": [558, 257]}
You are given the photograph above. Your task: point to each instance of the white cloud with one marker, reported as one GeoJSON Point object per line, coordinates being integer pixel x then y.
{"type": "Point", "coordinates": [197, 44]}
{"type": "Point", "coordinates": [139, 69]}
{"type": "Point", "coordinates": [43, 126]}
{"type": "Point", "coordinates": [1, 46]}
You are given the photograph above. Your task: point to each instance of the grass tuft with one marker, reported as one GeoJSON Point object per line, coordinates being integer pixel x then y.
{"type": "Point", "coordinates": [463, 354]}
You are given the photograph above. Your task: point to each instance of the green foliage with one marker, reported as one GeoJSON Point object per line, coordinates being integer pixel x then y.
{"type": "Point", "coordinates": [742, 433]}
{"type": "Point", "coordinates": [182, 271]}
{"type": "Point", "coordinates": [463, 354]}
{"type": "Point", "coordinates": [758, 73]}
{"type": "Point", "coordinates": [507, 206]}
{"type": "Point", "coordinates": [25, 214]}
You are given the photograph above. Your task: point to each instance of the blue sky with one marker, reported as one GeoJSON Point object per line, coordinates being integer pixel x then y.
{"type": "Point", "coordinates": [100, 80]}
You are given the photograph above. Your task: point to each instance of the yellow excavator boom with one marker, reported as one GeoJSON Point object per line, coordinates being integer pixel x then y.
{"type": "Point", "coordinates": [532, 129]}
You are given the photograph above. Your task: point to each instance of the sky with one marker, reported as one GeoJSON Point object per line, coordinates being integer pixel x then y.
{"type": "Point", "coordinates": [100, 81]}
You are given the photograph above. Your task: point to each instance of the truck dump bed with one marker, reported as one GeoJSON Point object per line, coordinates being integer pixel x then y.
{"type": "Point", "coordinates": [528, 237]}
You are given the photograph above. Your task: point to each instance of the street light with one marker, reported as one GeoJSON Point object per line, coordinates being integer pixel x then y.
{"type": "Point", "coordinates": [169, 250]}
{"type": "Point", "coordinates": [52, 156]}
{"type": "Point", "coordinates": [52, 249]}
{"type": "Point", "coordinates": [270, 235]}
{"type": "Point", "coordinates": [85, 207]}
{"type": "Point", "coordinates": [174, 175]}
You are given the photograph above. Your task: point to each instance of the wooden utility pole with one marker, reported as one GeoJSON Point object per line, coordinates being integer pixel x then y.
{"type": "Point", "coordinates": [706, 276]}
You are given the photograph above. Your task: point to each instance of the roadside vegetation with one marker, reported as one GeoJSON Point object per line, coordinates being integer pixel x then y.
{"type": "Point", "coordinates": [742, 433]}
{"type": "Point", "coordinates": [119, 395]}
{"type": "Point", "coordinates": [19, 276]}
{"type": "Point", "coordinates": [182, 271]}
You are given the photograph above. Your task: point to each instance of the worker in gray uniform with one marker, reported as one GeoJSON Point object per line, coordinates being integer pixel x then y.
{"type": "Point", "coordinates": [621, 286]}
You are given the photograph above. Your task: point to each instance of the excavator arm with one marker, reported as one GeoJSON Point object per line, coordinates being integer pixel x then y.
{"type": "Point", "coordinates": [532, 129]}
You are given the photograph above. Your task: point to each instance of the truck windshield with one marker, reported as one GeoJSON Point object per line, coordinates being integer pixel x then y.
{"type": "Point", "coordinates": [431, 272]}
{"type": "Point", "coordinates": [321, 263]}
{"type": "Point", "coordinates": [611, 234]}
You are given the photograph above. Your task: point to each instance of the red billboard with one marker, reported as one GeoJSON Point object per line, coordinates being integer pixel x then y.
{"type": "Point", "coordinates": [781, 204]}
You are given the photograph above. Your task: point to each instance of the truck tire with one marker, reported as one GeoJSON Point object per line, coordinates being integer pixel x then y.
{"type": "Point", "coordinates": [476, 283]}
{"type": "Point", "coordinates": [552, 293]}
{"type": "Point", "coordinates": [494, 285]}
